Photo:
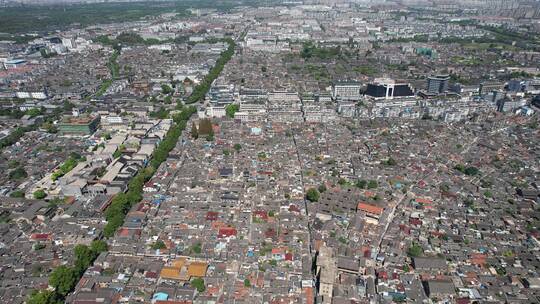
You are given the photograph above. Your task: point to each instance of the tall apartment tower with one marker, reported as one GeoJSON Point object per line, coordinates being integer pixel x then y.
{"type": "Point", "coordinates": [438, 84]}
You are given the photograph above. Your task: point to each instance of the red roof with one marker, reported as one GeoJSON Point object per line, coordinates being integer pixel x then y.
{"type": "Point", "coordinates": [423, 200]}
{"type": "Point", "coordinates": [40, 236]}
{"type": "Point", "coordinates": [293, 208]}
{"type": "Point", "coordinates": [151, 275]}
{"type": "Point", "coordinates": [368, 208]}
{"type": "Point", "coordinates": [288, 257]}
{"type": "Point", "coordinates": [270, 233]}
{"type": "Point", "coordinates": [415, 222]}
{"type": "Point", "coordinates": [226, 232]}
{"type": "Point", "coordinates": [211, 216]}
{"type": "Point", "coordinates": [261, 214]}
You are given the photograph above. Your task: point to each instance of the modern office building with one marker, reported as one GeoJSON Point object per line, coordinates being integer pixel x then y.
{"type": "Point", "coordinates": [383, 88]}
{"type": "Point", "coordinates": [438, 84]}
{"type": "Point", "coordinates": [346, 90]}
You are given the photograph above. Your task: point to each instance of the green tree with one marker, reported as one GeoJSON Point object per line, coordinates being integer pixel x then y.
{"type": "Point", "coordinates": [237, 147]}
{"type": "Point", "coordinates": [119, 151]}
{"type": "Point", "coordinates": [33, 112]}
{"type": "Point", "coordinates": [18, 173]}
{"type": "Point", "coordinates": [17, 194]}
{"type": "Point", "coordinates": [197, 248]}
{"type": "Point", "coordinates": [415, 250]}
{"type": "Point", "coordinates": [232, 109]}
{"type": "Point", "coordinates": [39, 194]}
{"type": "Point", "coordinates": [98, 246]}
{"type": "Point", "coordinates": [198, 284]}
{"type": "Point", "coordinates": [312, 195]}
{"type": "Point", "coordinates": [159, 244]}
{"type": "Point", "coordinates": [372, 184]}
{"type": "Point", "coordinates": [362, 184]}
{"type": "Point", "coordinates": [50, 128]}
{"type": "Point", "coordinates": [12, 164]}
{"type": "Point", "coordinates": [161, 113]}
{"type": "Point", "coordinates": [322, 188]}
{"type": "Point", "coordinates": [460, 168]}
{"type": "Point", "coordinates": [390, 162]}
{"type": "Point", "coordinates": [43, 297]}
{"type": "Point", "coordinates": [471, 171]}
{"type": "Point", "coordinates": [247, 283]}
{"type": "Point", "coordinates": [63, 279]}
{"type": "Point", "coordinates": [84, 257]}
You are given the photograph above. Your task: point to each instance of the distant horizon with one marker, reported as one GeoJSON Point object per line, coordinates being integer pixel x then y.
{"type": "Point", "coordinates": [405, 2]}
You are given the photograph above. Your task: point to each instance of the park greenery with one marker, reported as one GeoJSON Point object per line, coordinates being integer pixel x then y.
{"type": "Point", "coordinates": [309, 50]}
{"type": "Point", "coordinates": [47, 18]}
{"type": "Point", "coordinates": [126, 39]}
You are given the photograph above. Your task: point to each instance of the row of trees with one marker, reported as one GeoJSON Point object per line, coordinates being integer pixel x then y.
{"type": "Point", "coordinates": [114, 69]}
{"type": "Point", "coordinates": [64, 278]}
{"type": "Point", "coordinates": [67, 166]}
{"type": "Point", "coordinates": [202, 88]}
{"type": "Point", "coordinates": [20, 131]}
{"type": "Point", "coordinates": [14, 136]}
{"type": "Point", "coordinates": [122, 202]}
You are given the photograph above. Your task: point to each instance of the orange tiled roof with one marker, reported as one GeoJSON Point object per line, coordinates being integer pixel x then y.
{"type": "Point", "coordinates": [368, 208]}
{"type": "Point", "coordinates": [172, 273]}
{"type": "Point", "coordinates": [197, 269]}
{"type": "Point", "coordinates": [179, 263]}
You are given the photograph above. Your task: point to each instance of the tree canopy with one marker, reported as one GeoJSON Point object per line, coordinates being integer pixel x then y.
{"type": "Point", "coordinates": [312, 195]}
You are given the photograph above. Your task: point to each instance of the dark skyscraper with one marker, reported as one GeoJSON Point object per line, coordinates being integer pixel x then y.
{"type": "Point", "coordinates": [437, 84]}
